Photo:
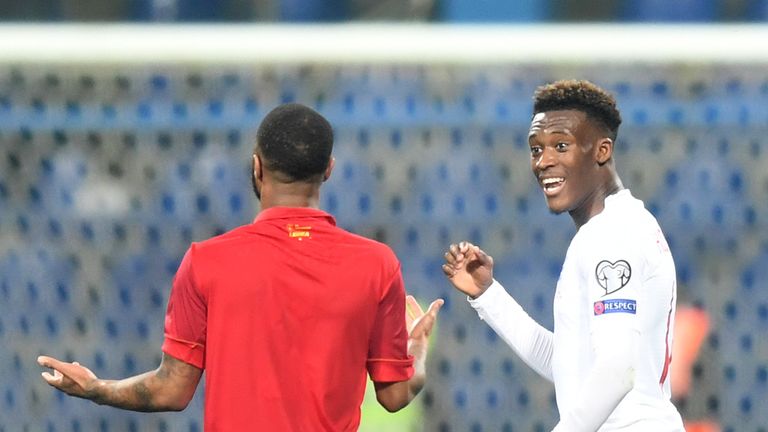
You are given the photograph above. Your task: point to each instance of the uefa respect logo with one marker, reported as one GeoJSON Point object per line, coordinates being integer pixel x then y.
{"type": "Point", "coordinates": [615, 306]}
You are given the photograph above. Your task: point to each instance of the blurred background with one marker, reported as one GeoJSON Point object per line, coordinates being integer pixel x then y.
{"type": "Point", "coordinates": [110, 168]}
{"type": "Point", "coordinates": [515, 11]}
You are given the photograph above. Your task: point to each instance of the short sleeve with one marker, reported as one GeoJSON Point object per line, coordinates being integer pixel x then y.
{"type": "Point", "coordinates": [185, 317]}
{"type": "Point", "coordinates": [388, 359]}
{"type": "Point", "coordinates": [615, 271]}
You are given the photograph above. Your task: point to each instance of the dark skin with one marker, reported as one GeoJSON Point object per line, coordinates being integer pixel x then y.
{"type": "Point", "coordinates": [572, 160]}
{"type": "Point", "coordinates": [172, 385]}
{"type": "Point", "coordinates": [275, 190]}
{"type": "Point", "coordinates": [567, 145]}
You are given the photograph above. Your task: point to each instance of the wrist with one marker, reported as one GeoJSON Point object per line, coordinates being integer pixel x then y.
{"type": "Point", "coordinates": [98, 392]}
{"type": "Point", "coordinates": [417, 380]}
{"type": "Point", "coordinates": [481, 289]}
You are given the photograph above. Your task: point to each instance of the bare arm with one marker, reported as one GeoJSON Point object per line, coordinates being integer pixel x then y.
{"type": "Point", "coordinates": [394, 396]}
{"type": "Point", "coordinates": [170, 387]}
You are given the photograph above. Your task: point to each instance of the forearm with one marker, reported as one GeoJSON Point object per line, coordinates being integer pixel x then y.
{"type": "Point", "coordinates": [143, 392]}
{"type": "Point", "coordinates": [532, 342]}
{"type": "Point", "coordinates": [168, 388]}
{"type": "Point", "coordinates": [611, 377]}
{"type": "Point", "coordinates": [394, 396]}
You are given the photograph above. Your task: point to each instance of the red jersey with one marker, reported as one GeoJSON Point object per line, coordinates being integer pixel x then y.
{"type": "Point", "coordinates": [286, 315]}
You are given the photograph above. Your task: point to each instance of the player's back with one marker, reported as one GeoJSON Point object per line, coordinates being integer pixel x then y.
{"type": "Point", "coordinates": [292, 302]}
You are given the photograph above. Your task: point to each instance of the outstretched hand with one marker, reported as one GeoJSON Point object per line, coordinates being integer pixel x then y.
{"type": "Point", "coordinates": [71, 378]}
{"type": "Point", "coordinates": [420, 324]}
{"type": "Point", "coordinates": [468, 268]}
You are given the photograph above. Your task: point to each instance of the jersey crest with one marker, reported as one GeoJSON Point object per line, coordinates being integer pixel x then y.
{"type": "Point", "coordinates": [613, 276]}
{"type": "Point", "coordinates": [299, 232]}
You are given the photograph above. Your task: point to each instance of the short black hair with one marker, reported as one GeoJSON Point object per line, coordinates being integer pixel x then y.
{"type": "Point", "coordinates": [295, 141]}
{"type": "Point", "coordinates": [584, 96]}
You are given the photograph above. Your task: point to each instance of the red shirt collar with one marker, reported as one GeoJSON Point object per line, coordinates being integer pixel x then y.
{"type": "Point", "coordinates": [273, 213]}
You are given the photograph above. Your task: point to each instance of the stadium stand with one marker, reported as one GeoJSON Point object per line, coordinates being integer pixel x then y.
{"type": "Point", "coordinates": [108, 173]}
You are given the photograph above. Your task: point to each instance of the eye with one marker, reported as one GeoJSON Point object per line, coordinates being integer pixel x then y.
{"type": "Point", "coordinates": [535, 150]}
{"type": "Point", "coordinates": [561, 146]}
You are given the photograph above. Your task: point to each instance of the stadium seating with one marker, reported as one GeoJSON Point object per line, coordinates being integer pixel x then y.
{"type": "Point", "coordinates": [107, 174]}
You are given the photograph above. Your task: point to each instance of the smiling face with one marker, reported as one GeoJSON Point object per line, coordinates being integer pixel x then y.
{"type": "Point", "coordinates": [569, 157]}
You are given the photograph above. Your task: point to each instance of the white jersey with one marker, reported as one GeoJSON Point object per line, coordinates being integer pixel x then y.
{"type": "Point", "coordinates": [618, 279]}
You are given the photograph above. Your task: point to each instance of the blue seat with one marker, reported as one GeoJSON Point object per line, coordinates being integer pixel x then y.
{"type": "Point", "coordinates": [664, 11]}
{"type": "Point", "coordinates": [495, 11]}
{"type": "Point", "coordinates": [313, 11]}
{"type": "Point", "coordinates": [757, 10]}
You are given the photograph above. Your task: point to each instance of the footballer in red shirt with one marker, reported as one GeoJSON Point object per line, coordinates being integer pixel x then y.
{"type": "Point", "coordinates": [285, 316]}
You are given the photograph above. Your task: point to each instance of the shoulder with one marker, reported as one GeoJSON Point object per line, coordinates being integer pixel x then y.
{"type": "Point", "coordinates": [626, 229]}
{"type": "Point", "coordinates": [624, 219]}
{"type": "Point", "coordinates": [367, 247]}
{"type": "Point", "coordinates": [221, 242]}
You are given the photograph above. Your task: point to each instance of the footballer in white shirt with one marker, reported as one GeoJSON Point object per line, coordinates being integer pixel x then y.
{"type": "Point", "coordinates": [614, 306]}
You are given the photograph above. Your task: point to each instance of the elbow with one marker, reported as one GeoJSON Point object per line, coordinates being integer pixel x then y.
{"type": "Point", "coordinates": [628, 378]}
{"type": "Point", "coordinates": [173, 406]}
{"type": "Point", "coordinates": [623, 378]}
{"type": "Point", "coordinates": [393, 396]}
{"type": "Point", "coordinates": [179, 406]}
{"type": "Point", "coordinates": [181, 402]}
{"type": "Point", "coordinates": [177, 403]}
{"type": "Point", "coordinates": [393, 406]}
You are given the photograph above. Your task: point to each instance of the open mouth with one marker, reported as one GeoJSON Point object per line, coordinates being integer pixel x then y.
{"type": "Point", "coordinates": [552, 185]}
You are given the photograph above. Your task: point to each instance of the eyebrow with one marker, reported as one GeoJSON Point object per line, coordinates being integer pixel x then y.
{"type": "Point", "coordinates": [532, 133]}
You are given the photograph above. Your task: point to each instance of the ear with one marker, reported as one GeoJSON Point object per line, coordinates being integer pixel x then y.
{"type": "Point", "coordinates": [258, 172]}
{"type": "Point", "coordinates": [329, 169]}
{"type": "Point", "coordinates": [604, 151]}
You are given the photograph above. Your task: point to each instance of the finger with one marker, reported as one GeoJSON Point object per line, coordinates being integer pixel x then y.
{"type": "Point", "coordinates": [465, 246]}
{"type": "Point", "coordinates": [72, 370]}
{"type": "Point", "coordinates": [412, 310]}
{"type": "Point", "coordinates": [50, 379]}
{"type": "Point", "coordinates": [462, 252]}
{"type": "Point", "coordinates": [427, 321]}
{"type": "Point", "coordinates": [449, 257]}
{"type": "Point", "coordinates": [453, 249]}
{"type": "Point", "coordinates": [482, 256]}
{"type": "Point", "coordinates": [50, 362]}
{"type": "Point", "coordinates": [448, 270]}
{"type": "Point", "coordinates": [413, 306]}
{"type": "Point", "coordinates": [423, 326]}
{"type": "Point", "coordinates": [431, 314]}
{"type": "Point", "coordinates": [435, 306]}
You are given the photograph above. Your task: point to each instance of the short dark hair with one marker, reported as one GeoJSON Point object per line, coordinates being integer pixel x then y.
{"type": "Point", "coordinates": [584, 96]}
{"type": "Point", "coordinates": [296, 141]}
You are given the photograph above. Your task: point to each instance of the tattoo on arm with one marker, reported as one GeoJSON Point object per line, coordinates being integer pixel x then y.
{"type": "Point", "coordinates": [143, 395]}
{"type": "Point", "coordinates": [168, 388]}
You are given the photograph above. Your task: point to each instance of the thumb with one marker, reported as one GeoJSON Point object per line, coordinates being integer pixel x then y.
{"type": "Point", "coordinates": [425, 324]}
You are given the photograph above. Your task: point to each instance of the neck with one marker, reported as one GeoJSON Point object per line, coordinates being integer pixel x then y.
{"type": "Point", "coordinates": [595, 202]}
{"type": "Point", "coordinates": [296, 194]}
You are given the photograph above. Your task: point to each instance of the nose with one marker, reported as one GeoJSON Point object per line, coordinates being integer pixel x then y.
{"type": "Point", "coordinates": [546, 159]}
